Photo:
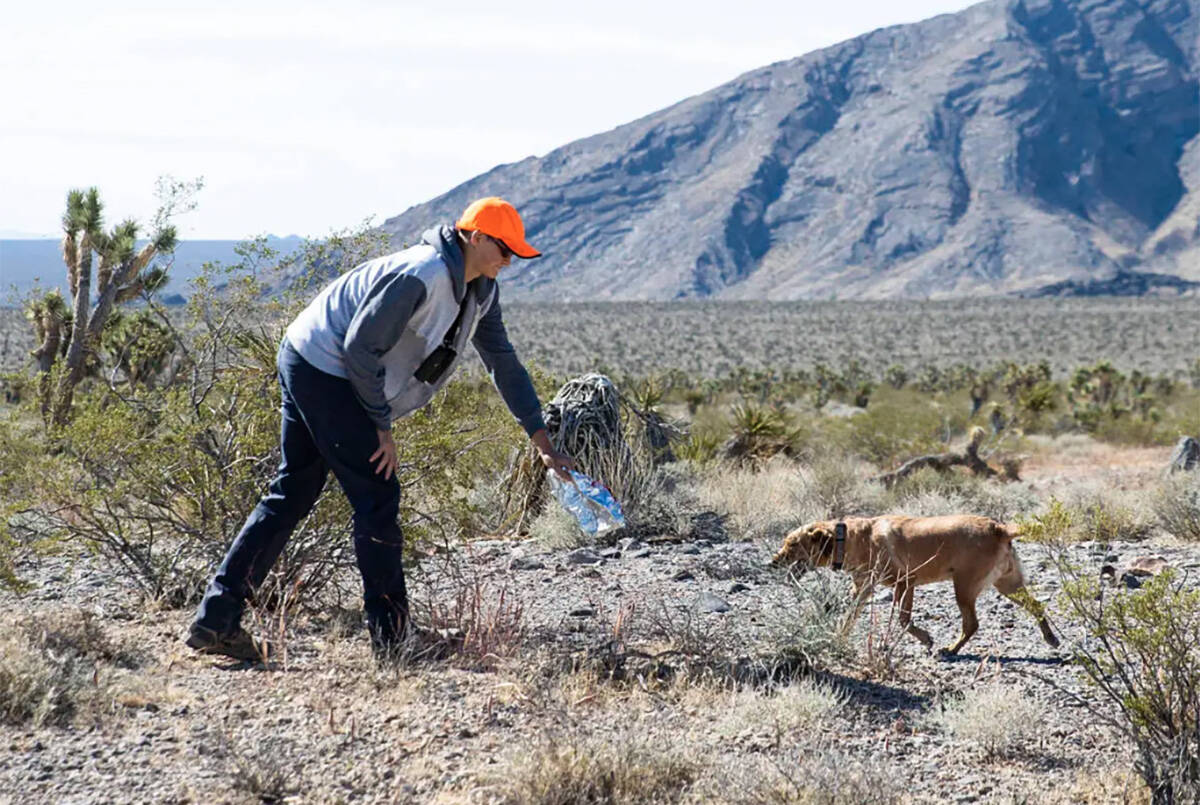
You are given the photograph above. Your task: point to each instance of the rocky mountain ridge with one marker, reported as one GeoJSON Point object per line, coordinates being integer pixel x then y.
{"type": "Point", "coordinates": [1018, 146]}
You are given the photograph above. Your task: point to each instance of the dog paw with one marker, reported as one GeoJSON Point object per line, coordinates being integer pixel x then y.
{"type": "Point", "coordinates": [946, 651]}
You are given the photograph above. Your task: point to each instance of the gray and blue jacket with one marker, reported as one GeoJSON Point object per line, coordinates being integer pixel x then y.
{"type": "Point", "coordinates": [375, 324]}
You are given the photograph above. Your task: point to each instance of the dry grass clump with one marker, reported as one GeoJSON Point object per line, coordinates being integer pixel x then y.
{"type": "Point", "coordinates": [803, 619]}
{"type": "Point", "coordinates": [265, 770]}
{"type": "Point", "coordinates": [79, 632]}
{"type": "Point", "coordinates": [34, 687]}
{"type": "Point", "coordinates": [804, 704]}
{"type": "Point", "coordinates": [838, 486]}
{"type": "Point", "coordinates": [1102, 513]}
{"type": "Point", "coordinates": [1176, 506]}
{"type": "Point", "coordinates": [50, 668]}
{"type": "Point", "coordinates": [763, 504]}
{"type": "Point", "coordinates": [766, 503]}
{"type": "Point", "coordinates": [812, 774]}
{"type": "Point", "coordinates": [928, 493]}
{"type": "Point", "coordinates": [995, 718]}
{"type": "Point", "coordinates": [580, 769]}
{"type": "Point", "coordinates": [477, 625]}
{"type": "Point", "coordinates": [556, 529]}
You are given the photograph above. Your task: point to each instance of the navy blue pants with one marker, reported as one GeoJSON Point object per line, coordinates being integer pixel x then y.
{"type": "Point", "coordinates": [324, 428]}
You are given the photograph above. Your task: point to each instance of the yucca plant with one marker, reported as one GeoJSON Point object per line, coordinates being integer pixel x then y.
{"type": "Point", "coordinates": [123, 272]}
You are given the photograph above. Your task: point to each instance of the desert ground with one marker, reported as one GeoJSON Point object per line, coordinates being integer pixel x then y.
{"type": "Point", "coordinates": [604, 669]}
{"type": "Point", "coordinates": [669, 663]}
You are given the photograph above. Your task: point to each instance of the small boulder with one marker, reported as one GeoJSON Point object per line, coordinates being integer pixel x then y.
{"type": "Point", "coordinates": [683, 575]}
{"type": "Point", "coordinates": [582, 612]}
{"type": "Point", "coordinates": [1147, 566]}
{"type": "Point", "coordinates": [1186, 455]}
{"type": "Point", "coordinates": [708, 602]}
{"type": "Point", "coordinates": [525, 563]}
{"type": "Point", "coordinates": [583, 556]}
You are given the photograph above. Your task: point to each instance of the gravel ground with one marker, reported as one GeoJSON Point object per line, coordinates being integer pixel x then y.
{"type": "Point", "coordinates": [186, 728]}
{"type": "Point", "coordinates": [326, 724]}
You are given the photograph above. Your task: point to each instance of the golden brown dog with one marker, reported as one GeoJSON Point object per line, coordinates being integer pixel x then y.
{"type": "Point", "coordinates": [905, 552]}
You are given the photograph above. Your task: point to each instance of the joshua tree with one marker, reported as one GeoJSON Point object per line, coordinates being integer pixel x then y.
{"type": "Point", "coordinates": [123, 272]}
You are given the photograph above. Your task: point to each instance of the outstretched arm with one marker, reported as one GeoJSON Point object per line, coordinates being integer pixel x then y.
{"type": "Point", "coordinates": [515, 387]}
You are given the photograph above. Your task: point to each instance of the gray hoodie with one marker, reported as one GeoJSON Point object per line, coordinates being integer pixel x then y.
{"type": "Point", "coordinates": [375, 324]}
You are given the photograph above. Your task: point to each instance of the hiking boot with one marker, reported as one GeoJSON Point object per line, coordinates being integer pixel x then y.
{"type": "Point", "coordinates": [238, 644]}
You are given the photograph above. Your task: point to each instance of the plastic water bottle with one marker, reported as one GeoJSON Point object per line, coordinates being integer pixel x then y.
{"type": "Point", "coordinates": [592, 505]}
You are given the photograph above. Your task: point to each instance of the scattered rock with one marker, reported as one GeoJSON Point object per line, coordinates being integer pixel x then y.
{"type": "Point", "coordinates": [708, 602]}
{"type": "Point", "coordinates": [690, 550]}
{"type": "Point", "coordinates": [525, 563]}
{"type": "Point", "coordinates": [611, 553]}
{"type": "Point", "coordinates": [582, 612]}
{"type": "Point", "coordinates": [1147, 566]}
{"type": "Point", "coordinates": [683, 575]}
{"type": "Point", "coordinates": [589, 573]}
{"type": "Point", "coordinates": [1131, 581]}
{"type": "Point", "coordinates": [583, 556]}
{"type": "Point", "coordinates": [630, 544]}
{"type": "Point", "coordinates": [737, 587]}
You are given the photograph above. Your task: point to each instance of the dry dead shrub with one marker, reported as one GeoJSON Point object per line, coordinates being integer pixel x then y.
{"type": "Point", "coordinates": [50, 668]}
{"type": "Point", "coordinates": [479, 625]}
{"type": "Point", "coordinates": [577, 769]}
{"type": "Point", "coordinates": [993, 717]}
{"type": "Point", "coordinates": [1177, 506]}
{"type": "Point", "coordinates": [264, 769]}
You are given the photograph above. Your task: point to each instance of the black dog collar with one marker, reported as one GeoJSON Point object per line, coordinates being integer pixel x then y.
{"type": "Point", "coordinates": [839, 546]}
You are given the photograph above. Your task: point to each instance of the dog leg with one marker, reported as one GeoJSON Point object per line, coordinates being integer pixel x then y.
{"type": "Point", "coordinates": [964, 595]}
{"type": "Point", "coordinates": [903, 595]}
{"type": "Point", "coordinates": [1012, 586]}
{"type": "Point", "coordinates": [1024, 599]}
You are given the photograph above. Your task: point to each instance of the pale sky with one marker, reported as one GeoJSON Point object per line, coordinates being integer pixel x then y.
{"type": "Point", "coordinates": [306, 118]}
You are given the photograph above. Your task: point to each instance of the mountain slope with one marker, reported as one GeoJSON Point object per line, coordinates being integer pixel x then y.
{"type": "Point", "coordinates": [1006, 148]}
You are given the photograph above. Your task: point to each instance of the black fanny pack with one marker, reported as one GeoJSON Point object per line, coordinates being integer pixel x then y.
{"type": "Point", "coordinates": [441, 359]}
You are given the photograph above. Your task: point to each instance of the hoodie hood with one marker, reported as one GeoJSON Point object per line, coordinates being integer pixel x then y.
{"type": "Point", "coordinates": [444, 239]}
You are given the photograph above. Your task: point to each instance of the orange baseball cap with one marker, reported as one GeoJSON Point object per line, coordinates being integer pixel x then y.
{"type": "Point", "coordinates": [496, 217]}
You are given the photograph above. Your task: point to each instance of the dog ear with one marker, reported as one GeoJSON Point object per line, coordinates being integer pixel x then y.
{"type": "Point", "coordinates": [821, 544]}
{"type": "Point", "coordinates": [797, 547]}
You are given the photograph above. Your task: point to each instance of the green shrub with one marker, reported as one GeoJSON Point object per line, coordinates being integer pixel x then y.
{"type": "Point", "coordinates": [899, 425]}
{"type": "Point", "coordinates": [1142, 656]}
{"type": "Point", "coordinates": [1056, 525]}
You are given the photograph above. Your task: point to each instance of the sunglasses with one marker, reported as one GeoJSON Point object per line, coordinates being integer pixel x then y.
{"type": "Point", "coordinates": [505, 252]}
